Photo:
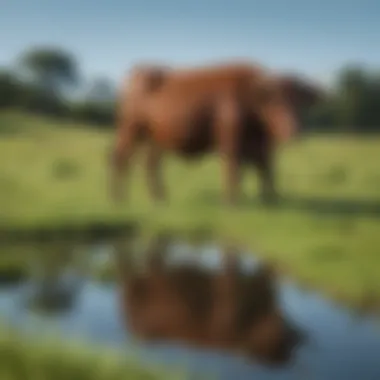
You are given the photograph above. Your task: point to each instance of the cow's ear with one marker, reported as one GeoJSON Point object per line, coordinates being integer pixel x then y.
{"type": "Point", "coordinates": [147, 78]}
{"type": "Point", "coordinates": [156, 80]}
{"type": "Point", "coordinates": [154, 77]}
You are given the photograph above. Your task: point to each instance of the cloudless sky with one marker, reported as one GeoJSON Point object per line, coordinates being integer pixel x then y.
{"type": "Point", "coordinates": [314, 37]}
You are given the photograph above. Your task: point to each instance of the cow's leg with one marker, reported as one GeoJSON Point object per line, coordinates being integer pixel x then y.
{"type": "Point", "coordinates": [125, 279]}
{"type": "Point", "coordinates": [226, 300]}
{"type": "Point", "coordinates": [154, 172]}
{"type": "Point", "coordinates": [266, 170]}
{"type": "Point", "coordinates": [122, 258]}
{"type": "Point", "coordinates": [156, 254]}
{"type": "Point", "coordinates": [228, 138]}
{"type": "Point", "coordinates": [233, 179]}
{"type": "Point", "coordinates": [122, 155]}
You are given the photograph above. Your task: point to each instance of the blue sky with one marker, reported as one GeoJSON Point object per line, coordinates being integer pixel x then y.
{"type": "Point", "coordinates": [310, 36]}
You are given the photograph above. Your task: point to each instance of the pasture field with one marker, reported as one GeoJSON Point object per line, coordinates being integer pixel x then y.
{"type": "Point", "coordinates": [326, 230]}
{"type": "Point", "coordinates": [50, 359]}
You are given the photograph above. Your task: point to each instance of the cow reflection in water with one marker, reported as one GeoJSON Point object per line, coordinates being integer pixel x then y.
{"type": "Point", "coordinates": [224, 310]}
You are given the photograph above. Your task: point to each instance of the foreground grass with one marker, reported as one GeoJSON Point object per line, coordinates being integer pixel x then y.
{"type": "Point", "coordinates": [326, 231]}
{"type": "Point", "coordinates": [26, 359]}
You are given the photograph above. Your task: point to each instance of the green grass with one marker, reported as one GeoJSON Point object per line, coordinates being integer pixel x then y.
{"type": "Point", "coordinates": [48, 359]}
{"type": "Point", "coordinates": [326, 232]}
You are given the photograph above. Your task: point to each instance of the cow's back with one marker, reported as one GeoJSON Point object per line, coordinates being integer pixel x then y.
{"type": "Point", "coordinates": [181, 113]}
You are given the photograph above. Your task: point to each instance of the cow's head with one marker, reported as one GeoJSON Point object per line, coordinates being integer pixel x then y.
{"type": "Point", "coordinates": [300, 93]}
{"type": "Point", "coordinates": [272, 108]}
{"type": "Point", "coordinates": [282, 100]}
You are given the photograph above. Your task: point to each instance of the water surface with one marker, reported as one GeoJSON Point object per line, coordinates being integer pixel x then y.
{"type": "Point", "coordinates": [340, 345]}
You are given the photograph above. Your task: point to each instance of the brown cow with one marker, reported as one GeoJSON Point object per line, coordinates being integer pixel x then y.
{"type": "Point", "coordinates": [238, 110]}
{"type": "Point", "coordinates": [223, 310]}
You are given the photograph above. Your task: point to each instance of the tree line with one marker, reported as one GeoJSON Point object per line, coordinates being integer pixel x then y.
{"type": "Point", "coordinates": [49, 81]}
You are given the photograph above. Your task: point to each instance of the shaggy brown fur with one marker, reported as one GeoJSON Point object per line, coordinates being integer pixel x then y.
{"type": "Point", "coordinates": [238, 110]}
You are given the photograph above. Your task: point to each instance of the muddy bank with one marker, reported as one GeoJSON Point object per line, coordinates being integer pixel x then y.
{"type": "Point", "coordinates": [89, 232]}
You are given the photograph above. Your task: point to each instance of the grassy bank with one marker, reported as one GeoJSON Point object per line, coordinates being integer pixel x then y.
{"type": "Point", "coordinates": [22, 359]}
{"type": "Point", "coordinates": [326, 231]}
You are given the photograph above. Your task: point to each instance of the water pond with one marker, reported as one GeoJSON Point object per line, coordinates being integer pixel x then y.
{"type": "Point", "coordinates": [340, 344]}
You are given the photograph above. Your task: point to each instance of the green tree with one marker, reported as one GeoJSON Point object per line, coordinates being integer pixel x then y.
{"type": "Point", "coordinates": [358, 104]}
{"type": "Point", "coordinates": [53, 72]}
{"type": "Point", "coordinates": [9, 89]}
{"type": "Point", "coordinates": [354, 104]}
{"type": "Point", "coordinates": [371, 104]}
{"type": "Point", "coordinates": [51, 68]}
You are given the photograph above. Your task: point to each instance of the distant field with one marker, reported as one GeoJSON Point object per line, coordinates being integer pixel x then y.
{"type": "Point", "coordinates": [327, 230]}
